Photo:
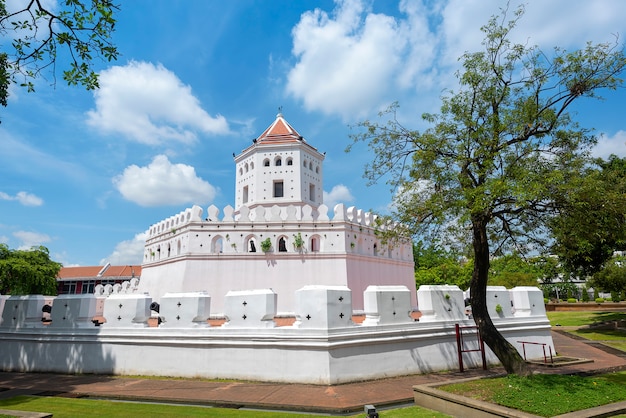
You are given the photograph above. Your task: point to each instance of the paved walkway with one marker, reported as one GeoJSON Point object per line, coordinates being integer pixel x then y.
{"type": "Point", "coordinates": [330, 399]}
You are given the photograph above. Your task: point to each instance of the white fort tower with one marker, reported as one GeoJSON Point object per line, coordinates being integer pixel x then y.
{"type": "Point", "coordinates": [279, 235]}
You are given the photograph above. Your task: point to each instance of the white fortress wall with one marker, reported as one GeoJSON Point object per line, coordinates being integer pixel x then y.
{"type": "Point", "coordinates": [191, 252]}
{"type": "Point", "coordinates": [336, 350]}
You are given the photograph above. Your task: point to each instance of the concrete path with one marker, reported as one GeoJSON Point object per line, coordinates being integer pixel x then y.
{"type": "Point", "coordinates": [296, 397]}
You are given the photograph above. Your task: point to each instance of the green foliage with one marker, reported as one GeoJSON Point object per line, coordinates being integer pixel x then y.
{"type": "Point", "coordinates": [571, 300]}
{"type": "Point", "coordinates": [26, 272]}
{"type": "Point", "coordinates": [266, 245]}
{"type": "Point", "coordinates": [298, 242]}
{"type": "Point", "coordinates": [79, 32]}
{"type": "Point", "coordinates": [585, 294]}
{"type": "Point", "coordinates": [611, 278]}
{"type": "Point", "coordinates": [599, 300]}
{"type": "Point", "coordinates": [513, 270]}
{"type": "Point", "coordinates": [591, 223]}
{"type": "Point", "coordinates": [434, 265]}
{"type": "Point", "coordinates": [498, 309]}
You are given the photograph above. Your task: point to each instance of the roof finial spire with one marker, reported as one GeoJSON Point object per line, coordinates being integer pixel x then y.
{"type": "Point", "coordinates": [280, 112]}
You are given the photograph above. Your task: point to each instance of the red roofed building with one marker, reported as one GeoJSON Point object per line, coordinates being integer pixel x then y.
{"type": "Point", "coordinates": [77, 280]}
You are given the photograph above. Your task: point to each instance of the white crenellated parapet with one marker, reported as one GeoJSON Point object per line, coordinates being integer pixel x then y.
{"type": "Point", "coordinates": [385, 305]}
{"type": "Point", "coordinates": [193, 214]}
{"type": "Point", "coordinates": [73, 311]}
{"type": "Point", "coordinates": [323, 307]}
{"type": "Point", "coordinates": [23, 311]}
{"type": "Point", "coordinates": [127, 310]}
{"type": "Point", "coordinates": [527, 301]}
{"type": "Point", "coordinates": [498, 302]}
{"type": "Point", "coordinates": [182, 310]}
{"type": "Point", "coordinates": [250, 308]}
{"type": "Point", "coordinates": [440, 303]}
{"type": "Point", "coordinates": [274, 213]}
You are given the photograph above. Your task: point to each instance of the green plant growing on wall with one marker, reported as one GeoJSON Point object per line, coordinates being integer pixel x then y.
{"type": "Point", "coordinates": [266, 245]}
{"type": "Point", "coordinates": [499, 309]}
{"type": "Point", "coordinates": [298, 242]}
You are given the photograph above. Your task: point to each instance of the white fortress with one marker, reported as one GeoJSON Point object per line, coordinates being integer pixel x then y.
{"type": "Point", "coordinates": [278, 203]}
{"type": "Point", "coordinates": [279, 252]}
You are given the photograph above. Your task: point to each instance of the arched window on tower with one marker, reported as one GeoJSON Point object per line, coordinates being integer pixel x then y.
{"type": "Point", "coordinates": [266, 162]}
{"type": "Point", "coordinates": [278, 162]}
{"type": "Point", "coordinates": [282, 245]}
{"type": "Point", "coordinates": [315, 244]}
{"type": "Point", "coordinates": [289, 161]}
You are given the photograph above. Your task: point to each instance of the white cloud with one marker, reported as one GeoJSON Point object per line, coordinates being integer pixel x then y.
{"type": "Point", "coordinates": [24, 198]}
{"type": "Point", "coordinates": [30, 239]}
{"type": "Point", "coordinates": [338, 194]}
{"type": "Point", "coordinates": [149, 104]}
{"type": "Point", "coordinates": [610, 145]}
{"type": "Point", "coordinates": [345, 62]}
{"type": "Point", "coordinates": [352, 61]}
{"type": "Point", "coordinates": [163, 183]}
{"type": "Point", "coordinates": [128, 252]}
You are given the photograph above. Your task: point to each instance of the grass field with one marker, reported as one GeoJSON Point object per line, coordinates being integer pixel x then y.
{"type": "Point", "coordinates": [581, 318]}
{"type": "Point", "coordinates": [546, 395]}
{"type": "Point", "coordinates": [70, 408]}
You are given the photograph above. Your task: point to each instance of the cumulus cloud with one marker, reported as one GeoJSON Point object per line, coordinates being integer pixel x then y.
{"type": "Point", "coordinates": [24, 198]}
{"type": "Point", "coordinates": [351, 61]}
{"type": "Point", "coordinates": [128, 252]}
{"type": "Point", "coordinates": [606, 146]}
{"type": "Point", "coordinates": [149, 104]}
{"type": "Point", "coordinates": [163, 183]}
{"type": "Point", "coordinates": [30, 239]}
{"type": "Point", "coordinates": [338, 194]}
{"type": "Point", "coordinates": [345, 61]}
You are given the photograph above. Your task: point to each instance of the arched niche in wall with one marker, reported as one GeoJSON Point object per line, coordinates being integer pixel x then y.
{"type": "Point", "coordinates": [217, 244]}
{"type": "Point", "coordinates": [252, 244]}
{"type": "Point", "coordinates": [315, 243]}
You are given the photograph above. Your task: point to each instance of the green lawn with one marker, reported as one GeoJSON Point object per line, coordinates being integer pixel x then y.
{"type": "Point", "coordinates": [578, 319]}
{"type": "Point", "coordinates": [66, 407]}
{"type": "Point", "coordinates": [546, 395]}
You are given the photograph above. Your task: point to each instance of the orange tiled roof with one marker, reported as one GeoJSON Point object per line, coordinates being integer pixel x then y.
{"type": "Point", "coordinates": [91, 272]}
{"type": "Point", "coordinates": [279, 132]}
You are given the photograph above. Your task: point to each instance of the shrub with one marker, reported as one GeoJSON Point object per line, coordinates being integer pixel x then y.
{"type": "Point", "coordinates": [585, 296]}
{"type": "Point", "coordinates": [571, 300]}
{"type": "Point", "coordinates": [615, 296]}
{"type": "Point", "coordinates": [545, 300]}
{"type": "Point", "coordinates": [599, 300]}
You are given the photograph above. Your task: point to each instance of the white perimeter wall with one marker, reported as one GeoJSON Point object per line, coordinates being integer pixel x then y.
{"type": "Point", "coordinates": [282, 355]}
{"type": "Point", "coordinates": [283, 272]}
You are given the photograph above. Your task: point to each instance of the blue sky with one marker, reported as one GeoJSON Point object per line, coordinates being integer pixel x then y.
{"type": "Point", "coordinates": [86, 173]}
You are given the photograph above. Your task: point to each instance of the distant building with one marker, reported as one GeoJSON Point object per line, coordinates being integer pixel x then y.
{"type": "Point", "coordinates": [78, 280]}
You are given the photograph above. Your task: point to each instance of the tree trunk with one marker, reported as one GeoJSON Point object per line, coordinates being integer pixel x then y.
{"type": "Point", "coordinates": [507, 354]}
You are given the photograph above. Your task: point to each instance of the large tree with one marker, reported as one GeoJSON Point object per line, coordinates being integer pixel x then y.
{"type": "Point", "coordinates": [38, 36]}
{"type": "Point", "coordinates": [591, 223]}
{"type": "Point", "coordinates": [27, 272]}
{"type": "Point", "coordinates": [502, 145]}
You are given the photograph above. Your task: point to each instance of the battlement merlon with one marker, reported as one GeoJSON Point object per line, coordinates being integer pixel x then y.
{"type": "Point", "coordinates": [300, 229]}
